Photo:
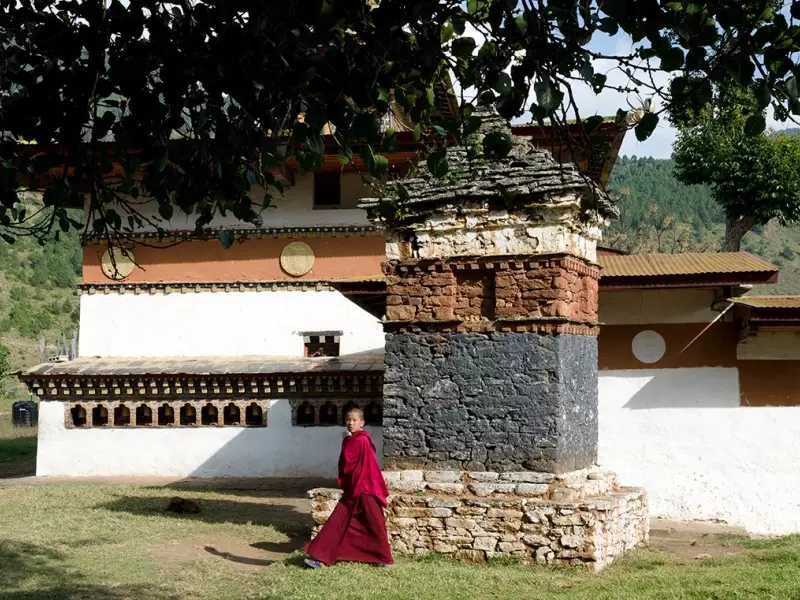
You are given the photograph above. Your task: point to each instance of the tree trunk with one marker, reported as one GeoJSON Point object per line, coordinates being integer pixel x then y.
{"type": "Point", "coordinates": [735, 229]}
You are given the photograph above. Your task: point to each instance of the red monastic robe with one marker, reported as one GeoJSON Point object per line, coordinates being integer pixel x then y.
{"type": "Point", "coordinates": [356, 530]}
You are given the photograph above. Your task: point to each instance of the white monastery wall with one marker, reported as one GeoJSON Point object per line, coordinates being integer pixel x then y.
{"type": "Point", "coordinates": [770, 345]}
{"type": "Point", "coordinates": [681, 434]}
{"type": "Point", "coordinates": [295, 208]}
{"type": "Point", "coordinates": [267, 323]}
{"type": "Point", "coordinates": [639, 307]}
{"type": "Point", "coordinates": [278, 450]}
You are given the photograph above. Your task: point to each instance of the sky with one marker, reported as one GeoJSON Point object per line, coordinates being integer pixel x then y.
{"type": "Point", "coordinates": [659, 144]}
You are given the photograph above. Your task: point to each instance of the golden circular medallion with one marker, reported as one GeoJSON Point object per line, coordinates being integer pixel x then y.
{"type": "Point", "coordinates": [297, 259]}
{"type": "Point", "coordinates": [118, 263]}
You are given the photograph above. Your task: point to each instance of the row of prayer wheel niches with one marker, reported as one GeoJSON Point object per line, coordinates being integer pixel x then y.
{"type": "Point", "coordinates": [214, 413]}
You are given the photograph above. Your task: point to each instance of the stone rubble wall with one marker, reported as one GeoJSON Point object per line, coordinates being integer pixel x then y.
{"type": "Point", "coordinates": [592, 532]}
{"type": "Point", "coordinates": [473, 290]}
{"type": "Point", "coordinates": [490, 402]}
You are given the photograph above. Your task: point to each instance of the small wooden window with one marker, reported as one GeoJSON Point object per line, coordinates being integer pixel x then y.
{"type": "Point", "coordinates": [231, 415]}
{"type": "Point", "coordinates": [209, 415]}
{"type": "Point", "coordinates": [188, 415]}
{"type": "Point", "coordinates": [373, 414]}
{"type": "Point", "coordinates": [318, 346]}
{"type": "Point", "coordinates": [327, 190]}
{"type": "Point", "coordinates": [122, 416]}
{"type": "Point", "coordinates": [166, 415]}
{"type": "Point", "coordinates": [328, 414]}
{"type": "Point", "coordinates": [253, 415]}
{"type": "Point", "coordinates": [144, 415]}
{"type": "Point", "coordinates": [305, 414]}
{"type": "Point", "coordinates": [78, 414]}
{"type": "Point", "coordinates": [99, 416]}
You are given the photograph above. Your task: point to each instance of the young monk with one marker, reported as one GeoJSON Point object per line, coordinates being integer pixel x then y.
{"type": "Point", "coordinates": [356, 530]}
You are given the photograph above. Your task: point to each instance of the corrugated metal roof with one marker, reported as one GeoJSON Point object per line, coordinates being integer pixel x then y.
{"type": "Point", "coordinates": [653, 265]}
{"type": "Point", "coordinates": [769, 301]}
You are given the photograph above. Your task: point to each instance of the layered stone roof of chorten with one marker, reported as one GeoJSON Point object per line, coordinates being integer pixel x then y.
{"type": "Point", "coordinates": [526, 177]}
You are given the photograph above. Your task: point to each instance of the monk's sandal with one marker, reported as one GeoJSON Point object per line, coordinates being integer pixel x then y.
{"type": "Point", "coordinates": [314, 564]}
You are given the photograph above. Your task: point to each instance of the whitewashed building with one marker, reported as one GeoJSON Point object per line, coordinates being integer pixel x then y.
{"type": "Point", "coordinates": [196, 361]}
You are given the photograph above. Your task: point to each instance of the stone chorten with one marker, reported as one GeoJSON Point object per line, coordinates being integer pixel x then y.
{"type": "Point", "coordinates": [490, 386]}
{"type": "Point", "coordinates": [491, 317]}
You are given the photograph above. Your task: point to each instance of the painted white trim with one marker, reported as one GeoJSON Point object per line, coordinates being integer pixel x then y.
{"type": "Point", "coordinates": [278, 450]}
{"type": "Point", "coordinates": [681, 434]}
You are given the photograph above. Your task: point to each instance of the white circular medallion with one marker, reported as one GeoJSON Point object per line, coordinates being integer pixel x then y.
{"type": "Point", "coordinates": [648, 346]}
{"type": "Point", "coordinates": [117, 263]}
{"type": "Point", "coordinates": [297, 259]}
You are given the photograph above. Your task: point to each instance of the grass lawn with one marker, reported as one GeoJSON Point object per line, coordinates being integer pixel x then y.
{"type": "Point", "coordinates": [101, 542]}
{"type": "Point", "coordinates": [17, 444]}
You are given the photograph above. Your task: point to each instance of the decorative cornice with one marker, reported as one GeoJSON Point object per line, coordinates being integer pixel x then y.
{"type": "Point", "coordinates": [576, 264]}
{"type": "Point", "coordinates": [191, 288]}
{"type": "Point", "coordinates": [244, 232]}
{"type": "Point", "coordinates": [157, 387]}
{"type": "Point", "coordinates": [542, 325]}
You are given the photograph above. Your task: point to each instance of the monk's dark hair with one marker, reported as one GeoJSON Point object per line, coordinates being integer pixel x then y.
{"type": "Point", "coordinates": [357, 411]}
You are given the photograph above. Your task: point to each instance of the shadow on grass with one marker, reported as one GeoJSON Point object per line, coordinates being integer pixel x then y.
{"type": "Point", "coordinates": [271, 487]}
{"type": "Point", "coordinates": [32, 572]}
{"type": "Point", "coordinates": [285, 548]}
{"type": "Point", "coordinates": [283, 517]}
{"type": "Point", "coordinates": [17, 452]}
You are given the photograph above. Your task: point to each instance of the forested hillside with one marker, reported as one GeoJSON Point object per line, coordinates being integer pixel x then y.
{"type": "Point", "coordinates": [659, 214]}
{"type": "Point", "coordinates": [37, 294]}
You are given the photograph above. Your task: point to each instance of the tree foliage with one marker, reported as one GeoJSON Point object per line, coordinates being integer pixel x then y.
{"type": "Point", "coordinates": [753, 176]}
{"type": "Point", "coordinates": [198, 102]}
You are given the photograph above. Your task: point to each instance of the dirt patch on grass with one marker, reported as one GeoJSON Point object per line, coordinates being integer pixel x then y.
{"type": "Point", "coordinates": [243, 556]}
{"type": "Point", "coordinates": [693, 541]}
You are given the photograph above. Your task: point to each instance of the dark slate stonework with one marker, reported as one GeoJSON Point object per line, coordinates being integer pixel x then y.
{"type": "Point", "coordinates": [490, 402]}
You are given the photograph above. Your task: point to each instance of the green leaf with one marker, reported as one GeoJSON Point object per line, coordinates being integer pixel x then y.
{"type": "Point", "coordinates": [380, 164]}
{"type": "Point", "coordinates": [166, 211]}
{"type": "Point", "coordinates": [672, 59]}
{"type": "Point", "coordinates": [477, 6]}
{"type": "Point", "coordinates": [598, 82]}
{"type": "Point", "coordinates": [226, 237]}
{"type": "Point", "coordinates": [447, 32]}
{"type": "Point", "coordinates": [608, 25]}
{"type": "Point", "coordinates": [497, 145]}
{"type": "Point", "coordinates": [646, 126]}
{"type": "Point", "coordinates": [160, 159]}
{"type": "Point", "coordinates": [548, 97]}
{"type": "Point", "coordinates": [587, 70]}
{"type": "Point", "coordinates": [438, 164]}
{"type": "Point", "coordinates": [472, 125]}
{"type": "Point", "coordinates": [463, 47]}
{"type": "Point", "coordinates": [792, 87]}
{"type": "Point", "coordinates": [763, 95]}
{"type": "Point", "coordinates": [677, 86]}
{"type": "Point", "coordinates": [755, 125]}
{"type": "Point", "coordinates": [503, 83]}
{"type": "Point", "coordinates": [417, 133]}
{"type": "Point", "coordinates": [592, 123]}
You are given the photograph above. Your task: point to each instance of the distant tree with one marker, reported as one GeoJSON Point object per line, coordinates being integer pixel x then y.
{"type": "Point", "coordinates": [753, 176]}
{"type": "Point", "coordinates": [5, 364]}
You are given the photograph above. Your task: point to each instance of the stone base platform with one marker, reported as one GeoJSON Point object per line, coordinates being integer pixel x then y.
{"type": "Point", "coordinates": [582, 518]}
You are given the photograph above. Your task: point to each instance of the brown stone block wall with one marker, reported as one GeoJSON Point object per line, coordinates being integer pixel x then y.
{"type": "Point", "coordinates": [471, 290]}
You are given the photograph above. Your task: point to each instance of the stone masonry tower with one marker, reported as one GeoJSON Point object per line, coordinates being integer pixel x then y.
{"type": "Point", "coordinates": [491, 317]}
{"type": "Point", "coordinates": [490, 385]}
